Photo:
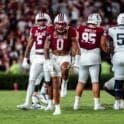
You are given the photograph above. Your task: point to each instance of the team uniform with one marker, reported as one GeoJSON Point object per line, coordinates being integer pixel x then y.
{"type": "Point", "coordinates": [58, 43]}
{"type": "Point", "coordinates": [36, 69]}
{"type": "Point", "coordinates": [61, 39]}
{"type": "Point", "coordinates": [39, 37]}
{"type": "Point", "coordinates": [117, 34]}
{"type": "Point", "coordinates": [36, 48]}
{"type": "Point", "coordinates": [62, 43]}
{"type": "Point", "coordinates": [90, 60]}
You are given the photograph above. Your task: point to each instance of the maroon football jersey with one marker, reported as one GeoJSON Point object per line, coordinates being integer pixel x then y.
{"type": "Point", "coordinates": [89, 38]}
{"type": "Point", "coordinates": [63, 42]}
{"type": "Point", "coordinates": [39, 36]}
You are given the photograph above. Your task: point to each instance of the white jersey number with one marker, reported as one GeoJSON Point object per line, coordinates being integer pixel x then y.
{"type": "Point", "coordinates": [120, 39]}
{"type": "Point", "coordinates": [89, 37]}
{"type": "Point", "coordinates": [60, 44]}
{"type": "Point", "coordinates": [39, 40]}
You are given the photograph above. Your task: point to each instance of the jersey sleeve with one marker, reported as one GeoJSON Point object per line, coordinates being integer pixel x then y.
{"type": "Point", "coordinates": [33, 31]}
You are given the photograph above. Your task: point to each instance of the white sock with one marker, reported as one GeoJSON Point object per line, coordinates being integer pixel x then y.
{"type": "Point", "coordinates": [96, 101]}
{"type": "Point", "coordinates": [77, 99]}
{"type": "Point", "coordinates": [50, 102]}
{"type": "Point", "coordinates": [64, 84]}
{"type": "Point", "coordinates": [30, 91]}
{"type": "Point", "coordinates": [57, 106]}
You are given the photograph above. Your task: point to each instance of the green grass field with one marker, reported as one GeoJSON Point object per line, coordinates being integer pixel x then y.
{"type": "Point", "coordinates": [9, 114]}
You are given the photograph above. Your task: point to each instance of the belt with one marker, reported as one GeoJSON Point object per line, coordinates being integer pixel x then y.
{"type": "Point", "coordinates": [39, 53]}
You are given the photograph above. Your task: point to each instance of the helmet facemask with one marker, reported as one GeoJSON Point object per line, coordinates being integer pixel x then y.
{"type": "Point", "coordinates": [61, 27]}
{"type": "Point", "coordinates": [61, 23]}
{"type": "Point", "coordinates": [42, 20]}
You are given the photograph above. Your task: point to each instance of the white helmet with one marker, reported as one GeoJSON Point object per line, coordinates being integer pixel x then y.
{"type": "Point", "coordinates": [94, 18]}
{"type": "Point", "coordinates": [120, 19]}
{"type": "Point", "coordinates": [42, 16]}
{"type": "Point", "coordinates": [61, 18]}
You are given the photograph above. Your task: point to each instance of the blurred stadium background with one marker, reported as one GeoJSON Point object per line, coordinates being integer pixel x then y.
{"type": "Point", "coordinates": [17, 17]}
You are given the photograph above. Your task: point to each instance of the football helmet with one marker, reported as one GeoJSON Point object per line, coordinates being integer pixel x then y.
{"type": "Point", "coordinates": [94, 18]}
{"type": "Point", "coordinates": [61, 22]}
{"type": "Point", "coordinates": [43, 17]}
{"type": "Point", "coordinates": [120, 19]}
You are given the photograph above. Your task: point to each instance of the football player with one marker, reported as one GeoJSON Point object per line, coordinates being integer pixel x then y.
{"type": "Point", "coordinates": [91, 39]}
{"type": "Point", "coordinates": [117, 34]}
{"type": "Point", "coordinates": [37, 38]}
{"type": "Point", "coordinates": [109, 88]}
{"type": "Point", "coordinates": [60, 40]}
{"type": "Point", "coordinates": [38, 96]}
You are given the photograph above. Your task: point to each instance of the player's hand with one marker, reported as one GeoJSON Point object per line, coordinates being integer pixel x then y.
{"type": "Point", "coordinates": [25, 64]}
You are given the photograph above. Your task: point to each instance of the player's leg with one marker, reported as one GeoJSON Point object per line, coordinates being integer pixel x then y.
{"type": "Point", "coordinates": [94, 73]}
{"type": "Point", "coordinates": [50, 97]}
{"type": "Point", "coordinates": [48, 81]}
{"type": "Point", "coordinates": [83, 75]}
{"type": "Point", "coordinates": [35, 70]}
{"type": "Point", "coordinates": [109, 86]}
{"type": "Point", "coordinates": [43, 94]}
{"type": "Point", "coordinates": [56, 81]}
{"type": "Point", "coordinates": [56, 94]}
{"type": "Point", "coordinates": [64, 65]}
{"type": "Point", "coordinates": [35, 95]}
{"type": "Point", "coordinates": [64, 71]}
{"type": "Point", "coordinates": [119, 79]}
{"type": "Point", "coordinates": [122, 99]}
{"type": "Point", "coordinates": [35, 98]}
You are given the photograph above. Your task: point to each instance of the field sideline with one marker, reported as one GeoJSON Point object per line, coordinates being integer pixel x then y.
{"type": "Point", "coordinates": [9, 114]}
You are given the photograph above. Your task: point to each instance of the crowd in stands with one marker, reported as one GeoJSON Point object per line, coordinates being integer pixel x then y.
{"type": "Point", "coordinates": [17, 17]}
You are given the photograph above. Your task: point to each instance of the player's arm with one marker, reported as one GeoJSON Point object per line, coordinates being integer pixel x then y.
{"type": "Point", "coordinates": [75, 44]}
{"type": "Point", "coordinates": [47, 47]}
{"type": "Point", "coordinates": [76, 49]}
{"type": "Point", "coordinates": [29, 46]}
{"type": "Point", "coordinates": [104, 44]}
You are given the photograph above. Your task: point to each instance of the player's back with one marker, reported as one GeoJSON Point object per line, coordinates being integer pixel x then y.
{"type": "Point", "coordinates": [89, 40]}
{"type": "Point", "coordinates": [89, 37]}
{"type": "Point", "coordinates": [117, 34]}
